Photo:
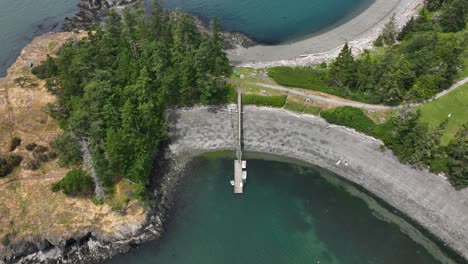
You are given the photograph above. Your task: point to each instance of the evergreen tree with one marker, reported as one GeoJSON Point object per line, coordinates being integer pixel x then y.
{"type": "Point", "coordinates": [343, 70]}
{"type": "Point", "coordinates": [457, 161]}
{"type": "Point", "coordinates": [454, 15]}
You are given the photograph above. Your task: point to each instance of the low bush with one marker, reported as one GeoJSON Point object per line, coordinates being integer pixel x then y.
{"type": "Point", "coordinates": [14, 143]}
{"type": "Point", "coordinates": [5, 167]}
{"type": "Point", "coordinates": [45, 70]}
{"type": "Point", "coordinates": [41, 157]}
{"type": "Point", "coordinates": [31, 146]}
{"type": "Point", "coordinates": [52, 155]}
{"type": "Point", "coordinates": [8, 163]}
{"type": "Point", "coordinates": [350, 117]}
{"type": "Point", "coordinates": [273, 101]}
{"type": "Point", "coordinates": [32, 164]}
{"type": "Point", "coordinates": [5, 240]}
{"type": "Point", "coordinates": [67, 149]}
{"type": "Point", "coordinates": [40, 149]}
{"type": "Point", "coordinates": [75, 183]}
{"type": "Point", "coordinates": [14, 160]}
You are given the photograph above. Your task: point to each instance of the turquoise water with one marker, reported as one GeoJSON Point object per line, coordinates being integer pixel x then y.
{"type": "Point", "coordinates": [22, 20]}
{"type": "Point", "coordinates": [267, 21]}
{"type": "Point", "coordinates": [273, 21]}
{"type": "Point", "coordinates": [288, 214]}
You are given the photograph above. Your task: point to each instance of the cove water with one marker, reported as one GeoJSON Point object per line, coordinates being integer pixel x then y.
{"type": "Point", "coordinates": [287, 214]}
{"type": "Point", "coordinates": [22, 20]}
{"type": "Point", "coordinates": [266, 21]}
{"type": "Point", "coordinates": [274, 21]}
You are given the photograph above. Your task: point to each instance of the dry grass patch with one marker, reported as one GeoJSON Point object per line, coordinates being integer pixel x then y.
{"type": "Point", "coordinates": [28, 207]}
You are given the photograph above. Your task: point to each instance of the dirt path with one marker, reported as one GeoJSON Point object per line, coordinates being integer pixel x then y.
{"type": "Point", "coordinates": [343, 102]}
{"type": "Point", "coordinates": [33, 178]}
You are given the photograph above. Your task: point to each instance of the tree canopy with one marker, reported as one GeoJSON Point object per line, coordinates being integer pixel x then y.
{"type": "Point", "coordinates": [114, 86]}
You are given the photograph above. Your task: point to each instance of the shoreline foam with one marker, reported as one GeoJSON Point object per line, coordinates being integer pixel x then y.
{"type": "Point", "coordinates": [360, 32]}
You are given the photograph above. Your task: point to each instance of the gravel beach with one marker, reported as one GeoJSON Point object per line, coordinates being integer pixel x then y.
{"type": "Point", "coordinates": [428, 199]}
{"type": "Point", "coordinates": [359, 31]}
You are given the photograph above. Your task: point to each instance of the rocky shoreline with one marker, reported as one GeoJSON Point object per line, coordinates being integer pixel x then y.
{"type": "Point", "coordinates": [94, 11]}
{"type": "Point", "coordinates": [427, 199]}
{"type": "Point", "coordinates": [92, 247]}
{"type": "Point", "coordinates": [360, 32]}
{"type": "Point", "coordinates": [231, 40]}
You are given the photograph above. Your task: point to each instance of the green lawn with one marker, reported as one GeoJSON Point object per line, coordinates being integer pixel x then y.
{"type": "Point", "coordinates": [293, 106]}
{"type": "Point", "coordinates": [314, 78]}
{"type": "Point", "coordinates": [455, 103]}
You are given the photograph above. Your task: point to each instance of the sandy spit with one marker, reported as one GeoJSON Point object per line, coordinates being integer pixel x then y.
{"type": "Point", "coordinates": [360, 32]}
{"type": "Point", "coordinates": [428, 199]}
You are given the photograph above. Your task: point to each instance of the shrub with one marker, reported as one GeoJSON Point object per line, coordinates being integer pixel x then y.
{"type": "Point", "coordinates": [5, 167]}
{"type": "Point", "coordinates": [350, 117]}
{"type": "Point", "coordinates": [55, 187]}
{"type": "Point", "coordinates": [40, 149]}
{"type": "Point", "coordinates": [31, 146]}
{"type": "Point", "coordinates": [41, 157]}
{"type": "Point", "coordinates": [75, 183]}
{"type": "Point", "coordinates": [14, 143]}
{"type": "Point", "coordinates": [274, 101]}
{"type": "Point", "coordinates": [14, 160]}
{"type": "Point", "coordinates": [8, 163]}
{"type": "Point", "coordinates": [68, 150]}
{"type": "Point", "coordinates": [45, 70]}
{"type": "Point", "coordinates": [6, 240]}
{"type": "Point", "coordinates": [52, 155]}
{"type": "Point", "coordinates": [32, 164]}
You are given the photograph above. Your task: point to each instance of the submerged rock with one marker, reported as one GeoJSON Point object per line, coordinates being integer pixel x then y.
{"type": "Point", "coordinates": [92, 12]}
{"type": "Point", "coordinates": [231, 40]}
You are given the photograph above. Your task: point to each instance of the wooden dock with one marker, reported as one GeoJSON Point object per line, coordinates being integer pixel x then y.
{"type": "Point", "coordinates": [238, 170]}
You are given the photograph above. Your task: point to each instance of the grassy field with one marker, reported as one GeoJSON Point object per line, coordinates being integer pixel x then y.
{"type": "Point", "coordinates": [314, 78]}
{"type": "Point", "coordinates": [454, 103]}
{"type": "Point", "coordinates": [293, 106]}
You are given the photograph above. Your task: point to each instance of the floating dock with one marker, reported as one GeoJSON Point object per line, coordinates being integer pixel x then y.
{"type": "Point", "coordinates": [239, 165]}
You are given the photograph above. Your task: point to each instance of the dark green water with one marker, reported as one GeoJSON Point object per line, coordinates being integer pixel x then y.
{"type": "Point", "coordinates": [288, 214]}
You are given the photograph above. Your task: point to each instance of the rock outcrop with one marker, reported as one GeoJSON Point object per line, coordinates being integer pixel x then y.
{"type": "Point", "coordinates": [92, 12]}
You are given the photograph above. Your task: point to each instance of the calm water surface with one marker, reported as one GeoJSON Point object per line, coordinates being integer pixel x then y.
{"type": "Point", "coordinates": [22, 20]}
{"type": "Point", "coordinates": [267, 21]}
{"type": "Point", "coordinates": [288, 214]}
{"type": "Point", "coordinates": [274, 21]}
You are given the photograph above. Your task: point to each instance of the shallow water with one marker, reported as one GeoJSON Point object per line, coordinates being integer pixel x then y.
{"type": "Point", "coordinates": [267, 21]}
{"type": "Point", "coordinates": [288, 214]}
{"type": "Point", "coordinates": [22, 20]}
{"type": "Point", "coordinates": [273, 21]}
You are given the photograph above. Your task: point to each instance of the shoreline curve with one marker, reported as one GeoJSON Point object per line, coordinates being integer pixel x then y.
{"type": "Point", "coordinates": [426, 198]}
{"type": "Point", "coordinates": [359, 31]}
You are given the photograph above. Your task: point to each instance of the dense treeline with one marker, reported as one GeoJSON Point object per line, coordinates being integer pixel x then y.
{"type": "Point", "coordinates": [411, 141]}
{"type": "Point", "coordinates": [423, 63]}
{"type": "Point", "coordinates": [114, 86]}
